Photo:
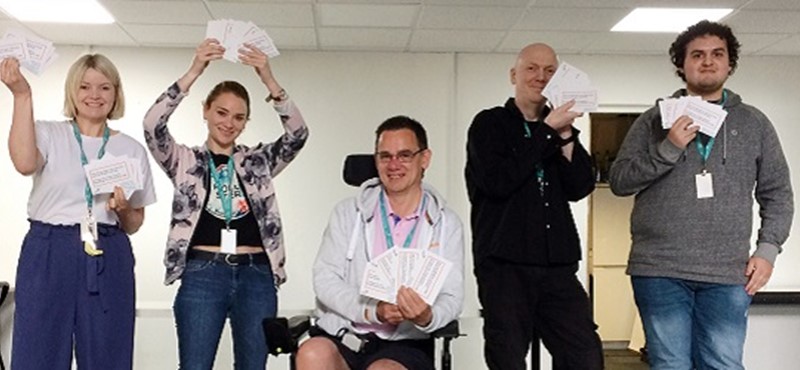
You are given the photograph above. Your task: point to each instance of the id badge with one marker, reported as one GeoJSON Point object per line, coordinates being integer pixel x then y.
{"type": "Point", "coordinates": [704, 184]}
{"type": "Point", "coordinates": [227, 241]}
{"type": "Point", "coordinates": [89, 236]}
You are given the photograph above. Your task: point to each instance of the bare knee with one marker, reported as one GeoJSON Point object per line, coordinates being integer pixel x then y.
{"type": "Point", "coordinates": [320, 353]}
{"type": "Point", "coordinates": [386, 364]}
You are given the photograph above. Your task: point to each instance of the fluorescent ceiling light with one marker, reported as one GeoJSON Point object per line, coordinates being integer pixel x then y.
{"type": "Point", "coordinates": [666, 19]}
{"type": "Point", "coordinates": [57, 11]}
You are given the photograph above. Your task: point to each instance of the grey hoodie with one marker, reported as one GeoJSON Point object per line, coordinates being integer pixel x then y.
{"type": "Point", "coordinates": [677, 235]}
{"type": "Point", "coordinates": [347, 248]}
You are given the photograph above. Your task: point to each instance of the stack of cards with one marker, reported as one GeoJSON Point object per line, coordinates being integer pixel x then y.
{"type": "Point", "coordinates": [234, 34]}
{"type": "Point", "coordinates": [32, 52]}
{"type": "Point", "coordinates": [110, 171]}
{"type": "Point", "coordinates": [704, 114]}
{"type": "Point", "coordinates": [421, 270]}
{"type": "Point", "coordinates": [570, 83]}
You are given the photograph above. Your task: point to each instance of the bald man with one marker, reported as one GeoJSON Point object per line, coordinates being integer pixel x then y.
{"type": "Point", "coordinates": [524, 165]}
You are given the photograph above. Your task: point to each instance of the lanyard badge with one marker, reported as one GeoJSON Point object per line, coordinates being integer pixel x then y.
{"type": "Point", "coordinates": [89, 235]}
{"type": "Point", "coordinates": [227, 239]}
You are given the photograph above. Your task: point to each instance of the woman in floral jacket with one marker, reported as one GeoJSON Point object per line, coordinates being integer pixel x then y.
{"type": "Point", "coordinates": [225, 242]}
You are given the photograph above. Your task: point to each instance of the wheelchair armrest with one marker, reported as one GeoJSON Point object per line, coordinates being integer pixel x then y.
{"type": "Point", "coordinates": [3, 291]}
{"type": "Point", "coordinates": [284, 334]}
{"type": "Point", "coordinates": [299, 325]}
{"type": "Point", "coordinates": [449, 331]}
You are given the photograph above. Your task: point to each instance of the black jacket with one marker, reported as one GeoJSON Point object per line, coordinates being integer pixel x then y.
{"type": "Point", "coordinates": [512, 219]}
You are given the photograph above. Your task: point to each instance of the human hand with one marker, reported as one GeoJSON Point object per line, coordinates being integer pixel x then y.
{"type": "Point", "coordinates": [118, 203]}
{"type": "Point", "coordinates": [12, 77]}
{"type": "Point", "coordinates": [389, 313]}
{"type": "Point", "coordinates": [254, 57]}
{"type": "Point", "coordinates": [208, 50]}
{"type": "Point", "coordinates": [413, 307]}
{"type": "Point", "coordinates": [682, 132]}
{"type": "Point", "coordinates": [561, 118]}
{"type": "Point", "coordinates": [758, 271]}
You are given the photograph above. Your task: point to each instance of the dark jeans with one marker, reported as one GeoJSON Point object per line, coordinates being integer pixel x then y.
{"type": "Point", "coordinates": [521, 300]}
{"type": "Point", "coordinates": [212, 291]}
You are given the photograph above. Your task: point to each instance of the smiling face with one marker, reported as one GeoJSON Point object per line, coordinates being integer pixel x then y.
{"type": "Point", "coordinates": [535, 65]}
{"type": "Point", "coordinates": [95, 97]}
{"type": "Point", "coordinates": [706, 66]}
{"type": "Point", "coordinates": [226, 116]}
{"type": "Point", "coordinates": [400, 162]}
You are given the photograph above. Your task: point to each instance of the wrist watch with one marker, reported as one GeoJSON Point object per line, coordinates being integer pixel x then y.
{"type": "Point", "coordinates": [281, 97]}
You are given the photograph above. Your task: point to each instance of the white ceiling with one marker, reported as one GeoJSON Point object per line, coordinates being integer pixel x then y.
{"type": "Point", "coordinates": [764, 27]}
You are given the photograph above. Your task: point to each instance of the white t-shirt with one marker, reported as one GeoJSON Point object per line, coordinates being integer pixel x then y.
{"type": "Point", "coordinates": [57, 196]}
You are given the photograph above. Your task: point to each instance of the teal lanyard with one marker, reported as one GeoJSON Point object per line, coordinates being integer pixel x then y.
{"type": "Point", "coordinates": [539, 169]}
{"type": "Point", "coordinates": [87, 190]}
{"type": "Point", "coordinates": [387, 232]}
{"type": "Point", "coordinates": [225, 197]}
{"type": "Point", "coordinates": [705, 150]}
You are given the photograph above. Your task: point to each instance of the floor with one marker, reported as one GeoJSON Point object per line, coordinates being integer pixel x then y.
{"type": "Point", "coordinates": [623, 359]}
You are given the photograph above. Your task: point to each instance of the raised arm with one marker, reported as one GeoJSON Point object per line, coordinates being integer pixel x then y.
{"type": "Point", "coordinates": [22, 137]}
{"type": "Point", "coordinates": [283, 150]}
{"type": "Point", "coordinates": [208, 50]}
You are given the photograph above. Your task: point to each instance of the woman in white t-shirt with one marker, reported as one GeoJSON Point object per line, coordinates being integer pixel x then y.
{"type": "Point", "coordinates": [75, 286]}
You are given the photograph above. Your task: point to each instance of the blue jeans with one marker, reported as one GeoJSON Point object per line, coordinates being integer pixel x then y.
{"type": "Point", "coordinates": [692, 325]}
{"type": "Point", "coordinates": [212, 291]}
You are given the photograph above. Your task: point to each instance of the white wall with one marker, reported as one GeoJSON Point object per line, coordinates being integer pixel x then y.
{"type": "Point", "coordinates": [343, 97]}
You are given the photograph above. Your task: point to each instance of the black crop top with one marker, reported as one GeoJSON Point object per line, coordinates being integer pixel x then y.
{"type": "Point", "coordinates": [212, 218]}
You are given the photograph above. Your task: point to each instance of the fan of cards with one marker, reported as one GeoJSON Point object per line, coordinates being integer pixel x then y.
{"type": "Point", "coordinates": [32, 52]}
{"type": "Point", "coordinates": [234, 34]}
{"type": "Point", "coordinates": [421, 270]}
{"type": "Point", "coordinates": [570, 83]}
{"type": "Point", "coordinates": [704, 114]}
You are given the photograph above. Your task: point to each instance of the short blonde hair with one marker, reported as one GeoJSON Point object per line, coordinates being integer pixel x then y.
{"type": "Point", "coordinates": [101, 64]}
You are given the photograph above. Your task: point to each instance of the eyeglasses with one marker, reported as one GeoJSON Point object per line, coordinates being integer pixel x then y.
{"type": "Point", "coordinates": [403, 156]}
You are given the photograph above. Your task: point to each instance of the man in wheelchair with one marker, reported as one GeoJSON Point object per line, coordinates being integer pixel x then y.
{"type": "Point", "coordinates": [399, 232]}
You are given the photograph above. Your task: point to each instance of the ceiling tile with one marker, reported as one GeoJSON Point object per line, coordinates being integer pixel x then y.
{"type": "Point", "coordinates": [167, 35]}
{"type": "Point", "coordinates": [752, 43]}
{"type": "Point", "coordinates": [554, 19]}
{"type": "Point", "coordinates": [416, 2]}
{"type": "Point", "coordinates": [293, 38]}
{"type": "Point", "coordinates": [74, 34]}
{"type": "Point", "coordinates": [475, 18]}
{"type": "Point", "coordinates": [366, 15]}
{"type": "Point", "coordinates": [478, 2]}
{"type": "Point", "coordinates": [383, 39]}
{"type": "Point", "coordinates": [788, 46]}
{"type": "Point", "coordinates": [773, 5]}
{"type": "Point", "coordinates": [158, 12]}
{"type": "Point", "coordinates": [562, 42]}
{"type": "Point", "coordinates": [455, 40]}
{"type": "Point", "coordinates": [641, 3]}
{"type": "Point", "coordinates": [280, 15]}
{"type": "Point", "coordinates": [631, 43]}
{"type": "Point", "coordinates": [757, 21]}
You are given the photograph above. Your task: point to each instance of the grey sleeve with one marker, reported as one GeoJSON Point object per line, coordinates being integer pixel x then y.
{"type": "Point", "coordinates": [774, 195]}
{"type": "Point", "coordinates": [644, 157]}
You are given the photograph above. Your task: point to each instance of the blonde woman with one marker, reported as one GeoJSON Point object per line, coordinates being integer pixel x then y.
{"type": "Point", "coordinates": [75, 280]}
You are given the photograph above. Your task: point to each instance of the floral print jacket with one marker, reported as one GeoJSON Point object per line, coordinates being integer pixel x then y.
{"type": "Point", "coordinates": [188, 170]}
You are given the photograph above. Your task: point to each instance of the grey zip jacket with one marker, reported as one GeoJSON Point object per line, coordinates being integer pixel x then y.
{"type": "Point", "coordinates": [346, 249]}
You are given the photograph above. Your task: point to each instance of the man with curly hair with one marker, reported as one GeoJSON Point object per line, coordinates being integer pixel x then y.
{"type": "Point", "coordinates": [691, 268]}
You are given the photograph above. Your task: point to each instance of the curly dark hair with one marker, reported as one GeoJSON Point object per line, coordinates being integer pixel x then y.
{"type": "Point", "coordinates": [677, 51]}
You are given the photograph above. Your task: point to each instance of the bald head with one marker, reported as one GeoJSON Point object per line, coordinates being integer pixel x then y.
{"type": "Point", "coordinates": [536, 64]}
{"type": "Point", "coordinates": [537, 50]}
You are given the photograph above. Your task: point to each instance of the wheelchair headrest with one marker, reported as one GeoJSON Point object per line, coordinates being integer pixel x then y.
{"type": "Point", "coordinates": [359, 168]}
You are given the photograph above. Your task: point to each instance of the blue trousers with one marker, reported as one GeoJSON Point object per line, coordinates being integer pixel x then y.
{"type": "Point", "coordinates": [211, 292]}
{"type": "Point", "coordinates": [67, 299]}
{"type": "Point", "coordinates": [692, 325]}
